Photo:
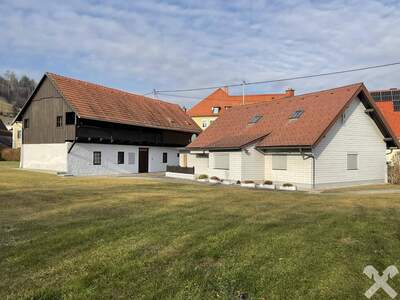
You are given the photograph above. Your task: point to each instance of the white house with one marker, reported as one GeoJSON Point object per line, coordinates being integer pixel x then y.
{"type": "Point", "coordinates": [330, 138]}
{"type": "Point", "coordinates": [80, 128]}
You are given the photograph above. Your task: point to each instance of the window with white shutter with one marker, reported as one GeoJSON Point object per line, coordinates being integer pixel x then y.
{"type": "Point", "coordinates": [279, 162]}
{"type": "Point", "coordinates": [221, 161]}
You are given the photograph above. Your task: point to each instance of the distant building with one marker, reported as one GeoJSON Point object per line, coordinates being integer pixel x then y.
{"type": "Point", "coordinates": [215, 104]}
{"type": "Point", "coordinates": [388, 102]}
{"type": "Point", "coordinates": [17, 135]}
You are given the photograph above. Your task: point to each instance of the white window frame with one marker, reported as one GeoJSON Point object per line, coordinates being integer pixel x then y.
{"type": "Point", "coordinates": [215, 110]}
{"type": "Point", "coordinates": [279, 165]}
{"type": "Point", "coordinates": [204, 124]}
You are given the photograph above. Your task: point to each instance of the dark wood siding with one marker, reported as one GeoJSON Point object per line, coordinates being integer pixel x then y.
{"type": "Point", "coordinates": [42, 113]}
{"type": "Point", "coordinates": [104, 132]}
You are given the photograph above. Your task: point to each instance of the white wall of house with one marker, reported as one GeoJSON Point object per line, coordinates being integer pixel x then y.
{"type": "Point", "coordinates": [356, 134]}
{"type": "Point", "coordinates": [234, 170]}
{"type": "Point", "coordinates": [298, 171]}
{"type": "Point", "coordinates": [199, 163]}
{"type": "Point", "coordinates": [51, 157]}
{"type": "Point", "coordinates": [253, 164]}
{"type": "Point", "coordinates": [80, 159]}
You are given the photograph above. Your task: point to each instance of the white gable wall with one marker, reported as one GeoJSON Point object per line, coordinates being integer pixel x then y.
{"type": "Point", "coordinates": [357, 134]}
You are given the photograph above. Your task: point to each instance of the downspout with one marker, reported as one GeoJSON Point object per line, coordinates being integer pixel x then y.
{"type": "Point", "coordinates": [313, 166]}
{"type": "Point", "coordinates": [72, 146]}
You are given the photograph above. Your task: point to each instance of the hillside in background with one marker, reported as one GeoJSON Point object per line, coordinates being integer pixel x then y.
{"type": "Point", "coordinates": [16, 90]}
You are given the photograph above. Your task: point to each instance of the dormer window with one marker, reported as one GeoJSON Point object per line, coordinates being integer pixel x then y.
{"type": "Point", "coordinates": [215, 110]}
{"type": "Point", "coordinates": [255, 119]}
{"type": "Point", "coordinates": [296, 115]}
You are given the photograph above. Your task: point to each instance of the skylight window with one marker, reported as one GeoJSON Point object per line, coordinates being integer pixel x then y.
{"type": "Point", "coordinates": [216, 109]}
{"type": "Point", "coordinates": [255, 119]}
{"type": "Point", "coordinates": [297, 114]}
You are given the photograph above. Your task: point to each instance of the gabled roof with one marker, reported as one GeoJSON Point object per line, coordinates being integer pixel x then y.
{"type": "Point", "coordinates": [276, 129]}
{"type": "Point", "coordinates": [96, 102]}
{"type": "Point", "coordinates": [221, 98]}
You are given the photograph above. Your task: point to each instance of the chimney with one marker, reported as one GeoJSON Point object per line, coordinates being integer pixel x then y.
{"type": "Point", "coordinates": [226, 89]}
{"type": "Point", "coordinates": [289, 92]}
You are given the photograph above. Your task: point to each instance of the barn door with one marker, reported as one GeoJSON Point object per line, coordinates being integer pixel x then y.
{"type": "Point", "coordinates": [143, 160]}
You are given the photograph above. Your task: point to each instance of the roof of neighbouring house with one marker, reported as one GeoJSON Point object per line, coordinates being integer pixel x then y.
{"type": "Point", "coordinates": [96, 102]}
{"type": "Point", "coordinates": [387, 108]}
{"type": "Point", "coordinates": [221, 98]}
{"type": "Point", "coordinates": [275, 128]}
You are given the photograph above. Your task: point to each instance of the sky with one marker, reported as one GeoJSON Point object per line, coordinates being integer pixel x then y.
{"type": "Point", "coordinates": [139, 46]}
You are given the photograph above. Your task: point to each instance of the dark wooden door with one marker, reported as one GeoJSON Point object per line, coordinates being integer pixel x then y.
{"type": "Point", "coordinates": [143, 160]}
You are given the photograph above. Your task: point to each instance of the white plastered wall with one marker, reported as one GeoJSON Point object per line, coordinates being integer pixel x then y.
{"type": "Point", "coordinates": [50, 157]}
{"type": "Point", "coordinates": [80, 159]}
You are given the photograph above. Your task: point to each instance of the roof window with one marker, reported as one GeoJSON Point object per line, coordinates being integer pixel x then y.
{"type": "Point", "coordinates": [216, 109]}
{"type": "Point", "coordinates": [255, 119]}
{"type": "Point", "coordinates": [296, 115]}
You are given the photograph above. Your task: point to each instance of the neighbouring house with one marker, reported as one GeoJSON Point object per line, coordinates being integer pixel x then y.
{"type": "Point", "coordinates": [16, 135]}
{"type": "Point", "coordinates": [80, 128]}
{"type": "Point", "coordinates": [5, 136]}
{"type": "Point", "coordinates": [330, 138]}
{"type": "Point", "coordinates": [388, 102]}
{"type": "Point", "coordinates": [216, 104]}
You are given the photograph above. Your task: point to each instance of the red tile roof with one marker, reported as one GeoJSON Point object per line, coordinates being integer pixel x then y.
{"type": "Point", "coordinates": [392, 117]}
{"type": "Point", "coordinates": [220, 98]}
{"type": "Point", "coordinates": [275, 129]}
{"type": "Point", "coordinates": [92, 101]}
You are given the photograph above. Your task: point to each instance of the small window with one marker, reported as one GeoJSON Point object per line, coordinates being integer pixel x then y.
{"type": "Point", "coordinates": [165, 157]}
{"type": "Point", "coordinates": [279, 162]}
{"type": "Point", "coordinates": [131, 158]}
{"type": "Point", "coordinates": [26, 123]}
{"type": "Point", "coordinates": [121, 158]}
{"type": "Point", "coordinates": [228, 107]}
{"type": "Point", "coordinates": [216, 109]}
{"type": "Point", "coordinates": [70, 118]}
{"type": "Point", "coordinates": [297, 114]}
{"type": "Point", "coordinates": [352, 161]}
{"type": "Point", "coordinates": [59, 121]}
{"type": "Point", "coordinates": [19, 134]}
{"type": "Point", "coordinates": [177, 155]}
{"type": "Point", "coordinates": [204, 124]}
{"type": "Point", "coordinates": [255, 119]}
{"type": "Point", "coordinates": [221, 161]}
{"type": "Point", "coordinates": [97, 158]}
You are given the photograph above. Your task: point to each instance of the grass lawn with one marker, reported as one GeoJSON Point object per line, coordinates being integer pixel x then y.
{"type": "Point", "coordinates": [107, 238]}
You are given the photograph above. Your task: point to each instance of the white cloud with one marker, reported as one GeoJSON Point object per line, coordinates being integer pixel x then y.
{"type": "Point", "coordinates": [158, 44]}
